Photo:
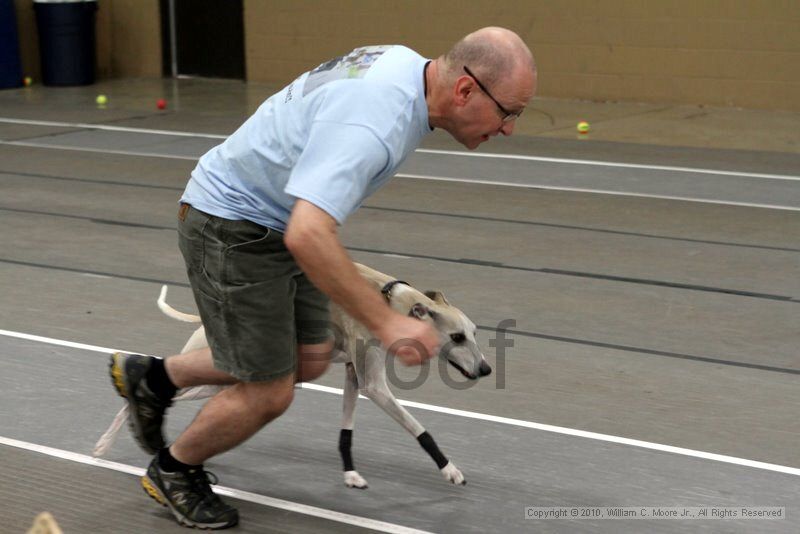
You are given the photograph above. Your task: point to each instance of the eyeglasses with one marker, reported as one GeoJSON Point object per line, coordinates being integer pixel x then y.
{"type": "Point", "coordinates": [507, 115]}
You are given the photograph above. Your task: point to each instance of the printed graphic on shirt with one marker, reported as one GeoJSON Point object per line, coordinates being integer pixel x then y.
{"type": "Point", "coordinates": [353, 65]}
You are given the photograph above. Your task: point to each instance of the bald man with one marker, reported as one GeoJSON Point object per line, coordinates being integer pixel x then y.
{"type": "Point", "coordinates": [258, 228]}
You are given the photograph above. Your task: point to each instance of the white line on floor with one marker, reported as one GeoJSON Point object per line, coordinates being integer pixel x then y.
{"type": "Point", "coordinates": [598, 191]}
{"type": "Point", "coordinates": [108, 127]}
{"type": "Point", "coordinates": [59, 342]}
{"type": "Point", "coordinates": [281, 504]}
{"type": "Point", "coordinates": [598, 163]}
{"type": "Point", "coordinates": [434, 178]}
{"type": "Point", "coordinates": [583, 434]}
{"type": "Point", "coordinates": [492, 418]}
{"type": "Point", "coordinates": [98, 150]}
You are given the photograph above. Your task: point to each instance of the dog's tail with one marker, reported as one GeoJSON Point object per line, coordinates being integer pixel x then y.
{"type": "Point", "coordinates": [107, 439]}
{"type": "Point", "coordinates": [169, 311]}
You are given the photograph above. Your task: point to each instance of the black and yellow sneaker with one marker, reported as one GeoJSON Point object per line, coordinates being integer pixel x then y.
{"type": "Point", "coordinates": [146, 409]}
{"type": "Point", "coordinates": [189, 497]}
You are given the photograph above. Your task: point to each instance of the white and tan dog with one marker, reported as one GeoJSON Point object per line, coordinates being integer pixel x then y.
{"type": "Point", "coordinates": [366, 365]}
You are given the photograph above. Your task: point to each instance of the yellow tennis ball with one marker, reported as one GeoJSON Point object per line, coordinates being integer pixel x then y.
{"type": "Point", "coordinates": [101, 100]}
{"type": "Point", "coordinates": [27, 80]}
{"type": "Point", "coordinates": [583, 127]}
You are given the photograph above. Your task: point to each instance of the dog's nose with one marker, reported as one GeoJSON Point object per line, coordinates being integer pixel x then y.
{"type": "Point", "coordinates": [485, 369]}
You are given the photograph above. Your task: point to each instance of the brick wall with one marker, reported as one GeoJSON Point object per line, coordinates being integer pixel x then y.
{"type": "Point", "coordinates": [742, 53]}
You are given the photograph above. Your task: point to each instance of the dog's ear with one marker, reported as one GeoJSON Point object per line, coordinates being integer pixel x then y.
{"type": "Point", "coordinates": [418, 311]}
{"type": "Point", "coordinates": [437, 296]}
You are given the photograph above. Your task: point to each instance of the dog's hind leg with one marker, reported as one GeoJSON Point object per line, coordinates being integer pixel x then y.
{"type": "Point", "coordinates": [351, 477]}
{"type": "Point", "coordinates": [374, 387]}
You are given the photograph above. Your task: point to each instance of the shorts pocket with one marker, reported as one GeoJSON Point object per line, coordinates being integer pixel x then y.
{"type": "Point", "coordinates": [190, 242]}
{"type": "Point", "coordinates": [243, 235]}
{"type": "Point", "coordinates": [255, 254]}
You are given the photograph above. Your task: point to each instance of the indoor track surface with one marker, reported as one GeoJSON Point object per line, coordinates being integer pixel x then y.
{"type": "Point", "coordinates": [649, 295]}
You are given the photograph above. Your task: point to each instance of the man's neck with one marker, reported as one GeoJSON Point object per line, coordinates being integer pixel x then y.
{"type": "Point", "coordinates": [433, 91]}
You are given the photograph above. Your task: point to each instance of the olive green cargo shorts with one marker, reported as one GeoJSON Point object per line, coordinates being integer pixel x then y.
{"type": "Point", "coordinates": [255, 302]}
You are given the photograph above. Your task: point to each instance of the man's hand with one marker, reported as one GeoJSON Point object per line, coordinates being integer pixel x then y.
{"type": "Point", "coordinates": [411, 340]}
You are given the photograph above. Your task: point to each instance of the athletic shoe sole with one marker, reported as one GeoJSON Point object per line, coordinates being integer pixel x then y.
{"type": "Point", "coordinates": [151, 489]}
{"type": "Point", "coordinates": [120, 380]}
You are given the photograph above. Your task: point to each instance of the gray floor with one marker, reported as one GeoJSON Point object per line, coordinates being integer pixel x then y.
{"type": "Point", "coordinates": [508, 468]}
{"type": "Point", "coordinates": [667, 321]}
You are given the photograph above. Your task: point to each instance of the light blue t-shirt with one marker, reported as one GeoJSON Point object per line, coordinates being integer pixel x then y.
{"type": "Point", "coordinates": [332, 137]}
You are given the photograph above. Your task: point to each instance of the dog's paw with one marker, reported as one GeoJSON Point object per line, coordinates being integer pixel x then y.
{"type": "Point", "coordinates": [353, 480]}
{"type": "Point", "coordinates": [452, 474]}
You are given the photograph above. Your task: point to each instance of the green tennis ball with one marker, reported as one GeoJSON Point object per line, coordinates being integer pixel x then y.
{"type": "Point", "coordinates": [583, 127]}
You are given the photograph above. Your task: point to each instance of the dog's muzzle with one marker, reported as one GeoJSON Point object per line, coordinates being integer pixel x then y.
{"type": "Point", "coordinates": [483, 370]}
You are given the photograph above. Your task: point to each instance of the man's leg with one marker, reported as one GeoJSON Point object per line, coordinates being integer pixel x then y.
{"type": "Point", "coordinates": [313, 360]}
{"type": "Point", "coordinates": [232, 416]}
{"type": "Point", "coordinates": [235, 414]}
{"type": "Point", "coordinates": [150, 383]}
{"type": "Point", "coordinates": [175, 476]}
{"type": "Point", "coordinates": [195, 368]}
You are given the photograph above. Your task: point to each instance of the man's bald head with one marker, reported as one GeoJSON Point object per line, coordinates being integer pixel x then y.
{"type": "Point", "coordinates": [481, 86]}
{"type": "Point", "coordinates": [493, 52]}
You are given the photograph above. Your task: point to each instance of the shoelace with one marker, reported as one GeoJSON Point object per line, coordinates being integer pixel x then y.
{"type": "Point", "coordinates": [201, 481]}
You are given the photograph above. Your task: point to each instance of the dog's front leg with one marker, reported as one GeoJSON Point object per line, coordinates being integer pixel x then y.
{"type": "Point", "coordinates": [351, 477]}
{"type": "Point", "coordinates": [375, 387]}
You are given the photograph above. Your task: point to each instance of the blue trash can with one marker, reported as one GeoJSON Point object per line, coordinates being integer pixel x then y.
{"type": "Point", "coordinates": [10, 65]}
{"type": "Point", "coordinates": [66, 40]}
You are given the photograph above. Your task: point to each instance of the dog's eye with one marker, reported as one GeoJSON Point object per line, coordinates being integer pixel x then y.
{"type": "Point", "coordinates": [458, 338]}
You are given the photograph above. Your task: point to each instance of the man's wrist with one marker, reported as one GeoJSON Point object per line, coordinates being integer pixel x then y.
{"type": "Point", "coordinates": [377, 319]}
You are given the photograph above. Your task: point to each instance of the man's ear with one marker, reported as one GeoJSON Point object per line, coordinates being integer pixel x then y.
{"type": "Point", "coordinates": [462, 89]}
{"type": "Point", "coordinates": [437, 296]}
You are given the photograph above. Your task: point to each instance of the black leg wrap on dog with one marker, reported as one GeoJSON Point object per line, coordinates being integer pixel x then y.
{"type": "Point", "coordinates": [432, 448]}
{"type": "Point", "coordinates": [345, 444]}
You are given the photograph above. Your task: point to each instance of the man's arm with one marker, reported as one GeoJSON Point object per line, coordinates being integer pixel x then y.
{"type": "Point", "coordinates": [312, 238]}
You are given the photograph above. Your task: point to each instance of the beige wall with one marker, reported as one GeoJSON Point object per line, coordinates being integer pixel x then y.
{"type": "Point", "coordinates": [720, 52]}
{"type": "Point", "coordinates": [742, 53]}
{"type": "Point", "coordinates": [135, 31]}
{"type": "Point", "coordinates": [128, 38]}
